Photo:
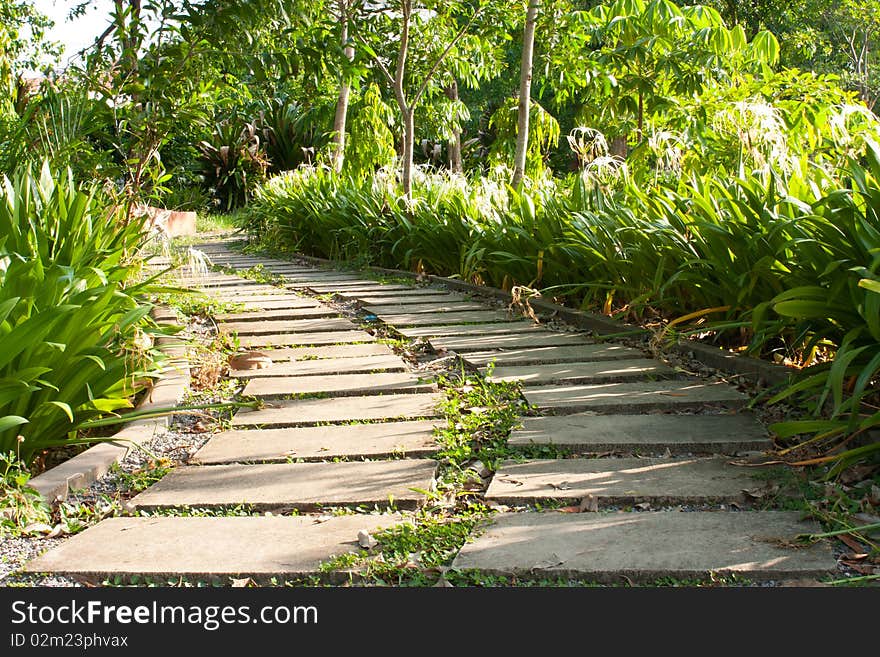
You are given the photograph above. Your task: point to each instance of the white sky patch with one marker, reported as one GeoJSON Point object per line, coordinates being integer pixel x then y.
{"type": "Point", "coordinates": [79, 33]}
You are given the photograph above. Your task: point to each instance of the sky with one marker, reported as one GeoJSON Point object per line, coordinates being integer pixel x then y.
{"type": "Point", "coordinates": [75, 35]}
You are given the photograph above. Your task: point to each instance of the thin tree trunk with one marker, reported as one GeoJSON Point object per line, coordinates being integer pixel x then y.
{"type": "Point", "coordinates": [339, 121]}
{"type": "Point", "coordinates": [641, 119]}
{"type": "Point", "coordinates": [525, 94]}
{"type": "Point", "coordinates": [455, 143]}
{"type": "Point", "coordinates": [409, 136]}
{"type": "Point", "coordinates": [618, 146]}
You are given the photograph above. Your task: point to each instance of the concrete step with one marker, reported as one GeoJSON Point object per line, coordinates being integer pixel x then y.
{"type": "Point", "coordinates": [313, 312]}
{"type": "Point", "coordinates": [655, 432]}
{"type": "Point", "coordinates": [287, 486]}
{"type": "Point", "coordinates": [546, 355]}
{"type": "Point", "coordinates": [508, 328]}
{"type": "Point", "coordinates": [363, 364]}
{"type": "Point", "coordinates": [305, 412]}
{"type": "Point", "coordinates": [272, 387]}
{"type": "Point", "coordinates": [330, 351]}
{"type": "Point", "coordinates": [643, 547]}
{"type": "Point", "coordinates": [385, 439]}
{"type": "Point", "coordinates": [514, 340]}
{"type": "Point", "coordinates": [627, 397]}
{"type": "Point", "coordinates": [427, 308]}
{"type": "Point", "coordinates": [484, 316]}
{"type": "Point", "coordinates": [163, 547]}
{"type": "Point", "coordinates": [406, 296]}
{"type": "Point", "coordinates": [289, 326]}
{"type": "Point", "coordinates": [589, 372]}
{"type": "Point", "coordinates": [305, 339]}
{"type": "Point", "coordinates": [617, 481]}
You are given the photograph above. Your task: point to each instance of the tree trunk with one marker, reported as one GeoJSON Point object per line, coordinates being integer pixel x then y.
{"type": "Point", "coordinates": [339, 121]}
{"type": "Point", "coordinates": [641, 118]}
{"type": "Point", "coordinates": [409, 136]}
{"type": "Point", "coordinates": [455, 143]}
{"type": "Point", "coordinates": [525, 94]}
{"type": "Point", "coordinates": [618, 146]}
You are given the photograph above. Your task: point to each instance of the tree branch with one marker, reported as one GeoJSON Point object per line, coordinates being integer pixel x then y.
{"type": "Point", "coordinates": [443, 55]}
{"type": "Point", "coordinates": [382, 68]}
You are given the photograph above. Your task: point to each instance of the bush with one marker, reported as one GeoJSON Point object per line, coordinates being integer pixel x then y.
{"type": "Point", "coordinates": [73, 323]}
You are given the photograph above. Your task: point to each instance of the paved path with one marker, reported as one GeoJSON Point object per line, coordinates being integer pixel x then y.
{"type": "Point", "coordinates": [335, 393]}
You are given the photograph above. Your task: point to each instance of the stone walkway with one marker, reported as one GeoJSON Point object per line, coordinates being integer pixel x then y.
{"type": "Point", "coordinates": [346, 423]}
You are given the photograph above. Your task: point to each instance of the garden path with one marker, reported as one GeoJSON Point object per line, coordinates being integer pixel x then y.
{"type": "Point", "coordinates": [347, 423]}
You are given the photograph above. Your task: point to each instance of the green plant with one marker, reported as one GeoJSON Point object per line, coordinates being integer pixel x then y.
{"type": "Point", "coordinates": [75, 328]}
{"type": "Point", "coordinates": [20, 505]}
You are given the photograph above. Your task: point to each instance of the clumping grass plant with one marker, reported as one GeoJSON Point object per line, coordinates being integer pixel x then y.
{"type": "Point", "coordinates": [74, 323]}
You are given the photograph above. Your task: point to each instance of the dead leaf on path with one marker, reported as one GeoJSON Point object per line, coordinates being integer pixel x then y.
{"type": "Point", "coordinates": [861, 568]}
{"type": "Point", "coordinates": [562, 485]}
{"type": "Point", "coordinates": [761, 492]}
{"type": "Point", "coordinates": [200, 427]}
{"type": "Point", "coordinates": [644, 506]}
{"type": "Point", "coordinates": [321, 519]}
{"type": "Point", "coordinates": [589, 504]}
{"type": "Point", "coordinates": [507, 479]}
{"type": "Point", "coordinates": [243, 583]}
{"type": "Point", "coordinates": [569, 509]}
{"type": "Point", "coordinates": [856, 473]}
{"type": "Point", "coordinates": [851, 543]}
{"type": "Point", "coordinates": [37, 528]}
{"type": "Point", "coordinates": [250, 360]}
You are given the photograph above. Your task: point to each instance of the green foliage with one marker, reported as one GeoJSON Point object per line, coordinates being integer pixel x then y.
{"type": "Point", "coordinates": [74, 329]}
{"type": "Point", "coordinates": [543, 135]}
{"type": "Point", "coordinates": [371, 144]}
{"type": "Point", "coordinates": [20, 505]}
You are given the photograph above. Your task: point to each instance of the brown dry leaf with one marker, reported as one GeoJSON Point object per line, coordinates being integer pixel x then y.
{"type": "Point", "coordinates": [242, 583]}
{"type": "Point", "coordinates": [562, 485]}
{"type": "Point", "coordinates": [200, 427]}
{"type": "Point", "coordinates": [589, 504]}
{"type": "Point", "coordinates": [569, 509]}
{"type": "Point", "coordinates": [250, 360]}
{"type": "Point", "coordinates": [851, 543]}
{"type": "Point", "coordinates": [861, 568]}
{"type": "Point", "coordinates": [856, 474]}
{"type": "Point", "coordinates": [37, 528]}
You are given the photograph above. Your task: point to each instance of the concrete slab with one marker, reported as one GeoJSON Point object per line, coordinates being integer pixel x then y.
{"type": "Point", "coordinates": [304, 339]}
{"type": "Point", "coordinates": [484, 316]}
{"type": "Point", "coordinates": [261, 314]}
{"type": "Point", "coordinates": [259, 547]}
{"type": "Point", "coordinates": [287, 486]}
{"type": "Point", "coordinates": [652, 432]}
{"type": "Point", "coordinates": [365, 286]}
{"type": "Point", "coordinates": [236, 293]}
{"type": "Point", "coordinates": [518, 340]}
{"type": "Point", "coordinates": [405, 296]}
{"type": "Point", "coordinates": [623, 397]}
{"type": "Point", "coordinates": [277, 296]}
{"type": "Point", "coordinates": [269, 327]}
{"type": "Point", "coordinates": [647, 546]}
{"type": "Point", "coordinates": [621, 481]}
{"type": "Point", "coordinates": [503, 328]}
{"type": "Point", "coordinates": [364, 364]}
{"type": "Point", "coordinates": [279, 302]}
{"type": "Point", "coordinates": [304, 412]}
{"type": "Point", "coordinates": [591, 372]}
{"type": "Point", "coordinates": [337, 385]}
{"type": "Point", "coordinates": [330, 351]}
{"type": "Point", "coordinates": [536, 355]}
{"type": "Point", "coordinates": [418, 307]}
{"type": "Point", "coordinates": [380, 440]}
